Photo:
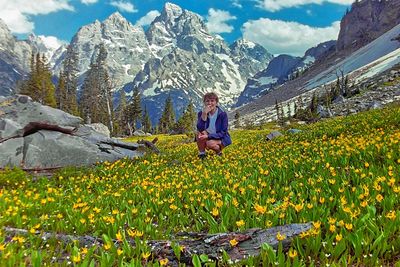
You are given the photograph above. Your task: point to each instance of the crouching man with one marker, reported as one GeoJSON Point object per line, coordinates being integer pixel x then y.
{"type": "Point", "coordinates": [212, 127]}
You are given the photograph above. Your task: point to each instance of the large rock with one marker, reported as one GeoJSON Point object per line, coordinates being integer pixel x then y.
{"type": "Point", "coordinates": [34, 136]}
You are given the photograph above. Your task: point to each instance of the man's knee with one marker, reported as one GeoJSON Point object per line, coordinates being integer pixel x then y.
{"type": "Point", "coordinates": [212, 144]}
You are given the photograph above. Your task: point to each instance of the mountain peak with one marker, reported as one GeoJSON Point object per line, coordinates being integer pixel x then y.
{"type": "Point", "coordinates": [245, 42]}
{"type": "Point", "coordinates": [171, 10]}
{"type": "Point", "coordinates": [115, 17]}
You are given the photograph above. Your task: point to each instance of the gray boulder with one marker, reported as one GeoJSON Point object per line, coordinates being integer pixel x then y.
{"type": "Point", "coordinates": [324, 112]}
{"type": "Point", "coordinates": [294, 131]}
{"type": "Point", "coordinates": [139, 133]}
{"type": "Point", "coordinates": [34, 136]}
{"type": "Point", "coordinates": [100, 128]}
{"type": "Point", "coordinates": [273, 135]}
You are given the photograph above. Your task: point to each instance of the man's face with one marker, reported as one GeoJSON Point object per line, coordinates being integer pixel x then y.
{"type": "Point", "coordinates": [212, 103]}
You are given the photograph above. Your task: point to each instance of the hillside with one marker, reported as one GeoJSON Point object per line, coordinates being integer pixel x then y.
{"type": "Point", "coordinates": [340, 174]}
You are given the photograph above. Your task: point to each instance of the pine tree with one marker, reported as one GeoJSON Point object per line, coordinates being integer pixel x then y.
{"type": "Point", "coordinates": [277, 110]}
{"type": "Point", "coordinates": [167, 119]}
{"type": "Point", "coordinates": [146, 123]}
{"type": "Point", "coordinates": [237, 120]}
{"type": "Point", "coordinates": [39, 85]}
{"type": "Point", "coordinates": [96, 104]}
{"type": "Point", "coordinates": [71, 72]}
{"type": "Point", "coordinates": [314, 103]}
{"type": "Point", "coordinates": [122, 114]}
{"type": "Point", "coordinates": [61, 93]}
{"type": "Point", "coordinates": [186, 123]}
{"type": "Point", "coordinates": [289, 110]}
{"type": "Point", "coordinates": [134, 111]}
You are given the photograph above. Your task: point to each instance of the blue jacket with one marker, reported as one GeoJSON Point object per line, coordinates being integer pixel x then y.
{"type": "Point", "coordinates": [221, 127]}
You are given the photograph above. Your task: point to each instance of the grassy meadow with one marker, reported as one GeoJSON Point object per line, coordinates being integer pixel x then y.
{"type": "Point", "coordinates": [341, 174]}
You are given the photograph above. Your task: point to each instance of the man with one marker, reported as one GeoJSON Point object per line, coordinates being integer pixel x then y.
{"type": "Point", "coordinates": [212, 127]}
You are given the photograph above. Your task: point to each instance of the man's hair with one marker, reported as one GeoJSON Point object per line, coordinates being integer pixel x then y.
{"type": "Point", "coordinates": [211, 95]}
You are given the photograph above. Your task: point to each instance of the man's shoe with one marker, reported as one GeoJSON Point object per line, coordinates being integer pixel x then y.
{"type": "Point", "coordinates": [202, 156]}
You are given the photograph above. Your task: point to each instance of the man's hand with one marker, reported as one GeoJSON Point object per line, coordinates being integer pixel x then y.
{"type": "Point", "coordinates": [203, 135]}
{"type": "Point", "coordinates": [206, 110]}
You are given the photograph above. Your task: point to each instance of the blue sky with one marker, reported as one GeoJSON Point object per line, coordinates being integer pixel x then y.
{"type": "Point", "coordinates": [281, 26]}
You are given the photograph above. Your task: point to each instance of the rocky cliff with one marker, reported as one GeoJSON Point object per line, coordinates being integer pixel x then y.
{"type": "Point", "coordinates": [367, 20]}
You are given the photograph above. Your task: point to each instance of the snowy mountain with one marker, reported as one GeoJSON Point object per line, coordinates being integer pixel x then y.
{"type": "Point", "coordinates": [126, 45]}
{"type": "Point", "coordinates": [188, 61]}
{"type": "Point", "coordinates": [370, 60]}
{"type": "Point", "coordinates": [280, 69]}
{"type": "Point", "coordinates": [13, 64]}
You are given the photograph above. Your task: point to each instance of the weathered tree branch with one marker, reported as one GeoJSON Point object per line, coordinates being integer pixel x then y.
{"type": "Point", "coordinates": [249, 242]}
{"type": "Point", "coordinates": [36, 126]}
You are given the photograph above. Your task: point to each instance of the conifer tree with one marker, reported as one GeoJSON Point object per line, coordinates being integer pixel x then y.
{"type": "Point", "coordinates": [277, 110]}
{"type": "Point", "coordinates": [314, 103]}
{"type": "Point", "coordinates": [237, 120]}
{"type": "Point", "coordinates": [289, 110]}
{"type": "Point", "coordinates": [167, 119]}
{"type": "Point", "coordinates": [121, 114]}
{"type": "Point", "coordinates": [186, 122]}
{"type": "Point", "coordinates": [71, 72]}
{"type": "Point", "coordinates": [39, 85]}
{"type": "Point", "coordinates": [96, 104]}
{"type": "Point", "coordinates": [61, 93]}
{"type": "Point", "coordinates": [134, 111]}
{"type": "Point", "coordinates": [146, 122]}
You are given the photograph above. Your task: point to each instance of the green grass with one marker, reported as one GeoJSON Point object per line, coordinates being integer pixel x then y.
{"type": "Point", "coordinates": [342, 174]}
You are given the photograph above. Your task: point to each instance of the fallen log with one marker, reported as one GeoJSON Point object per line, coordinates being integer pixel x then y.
{"type": "Point", "coordinates": [36, 126]}
{"type": "Point", "coordinates": [150, 145]}
{"type": "Point", "coordinates": [247, 243]}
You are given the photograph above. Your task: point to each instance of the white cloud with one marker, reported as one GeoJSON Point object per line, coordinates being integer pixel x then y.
{"type": "Point", "coordinates": [275, 5]}
{"type": "Point", "coordinates": [148, 18]}
{"type": "Point", "coordinates": [16, 14]}
{"type": "Point", "coordinates": [236, 3]}
{"type": "Point", "coordinates": [216, 21]}
{"type": "Point", "coordinates": [89, 2]}
{"type": "Point", "coordinates": [124, 6]}
{"type": "Point", "coordinates": [282, 37]}
{"type": "Point", "coordinates": [51, 41]}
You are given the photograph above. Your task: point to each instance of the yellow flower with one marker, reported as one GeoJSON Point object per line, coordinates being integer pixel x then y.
{"type": "Point", "coordinates": [119, 251]}
{"type": "Point", "coordinates": [215, 212]}
{"type": "Point", "coordinates": [280, 237]}
{"type": "Point", "coordinates": [84, 251]}
{"type": "Point", "coordinates": [145, 255]}
{"type": "Point", "coordinates": [76, 258]}
{"type": "Point", "coordinates": [240, 223]}
{"type": "Point", "coordinates": [233, 242]}
{"type": "Point", "coordinates": [107, 246]}
{"type": "Point", "coordinates": [164, 262]}
{"type": "Point", "coordinates": [332, 228]}
{"type": "Point", "coordinates": [118, 236]}
{"type": "Point", "coordinates": [379, 198]}
{"type": "Point", "coordinates": [32, 231]}
{"type": "Point", "coordinates": [2, 247]}
{"type": "Point", "coordinates": [260, 209]}
{"type": "Point", "coordinates": [366, 164]}
{"type": "Point", "coordinates": [292, 253]}
{"type": "Point", "coordinates": [391, 215]}
{"type": "Point", "coordinates": [338, 237]}
{"type": "Point", "coordinates": [349, 226]}
{"type": "Point", "coordinates": [19, 239]}
{"type": "Point", "coordinates": [299, 207]}
{"type": "Point", "coordinates": [317, 225]}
